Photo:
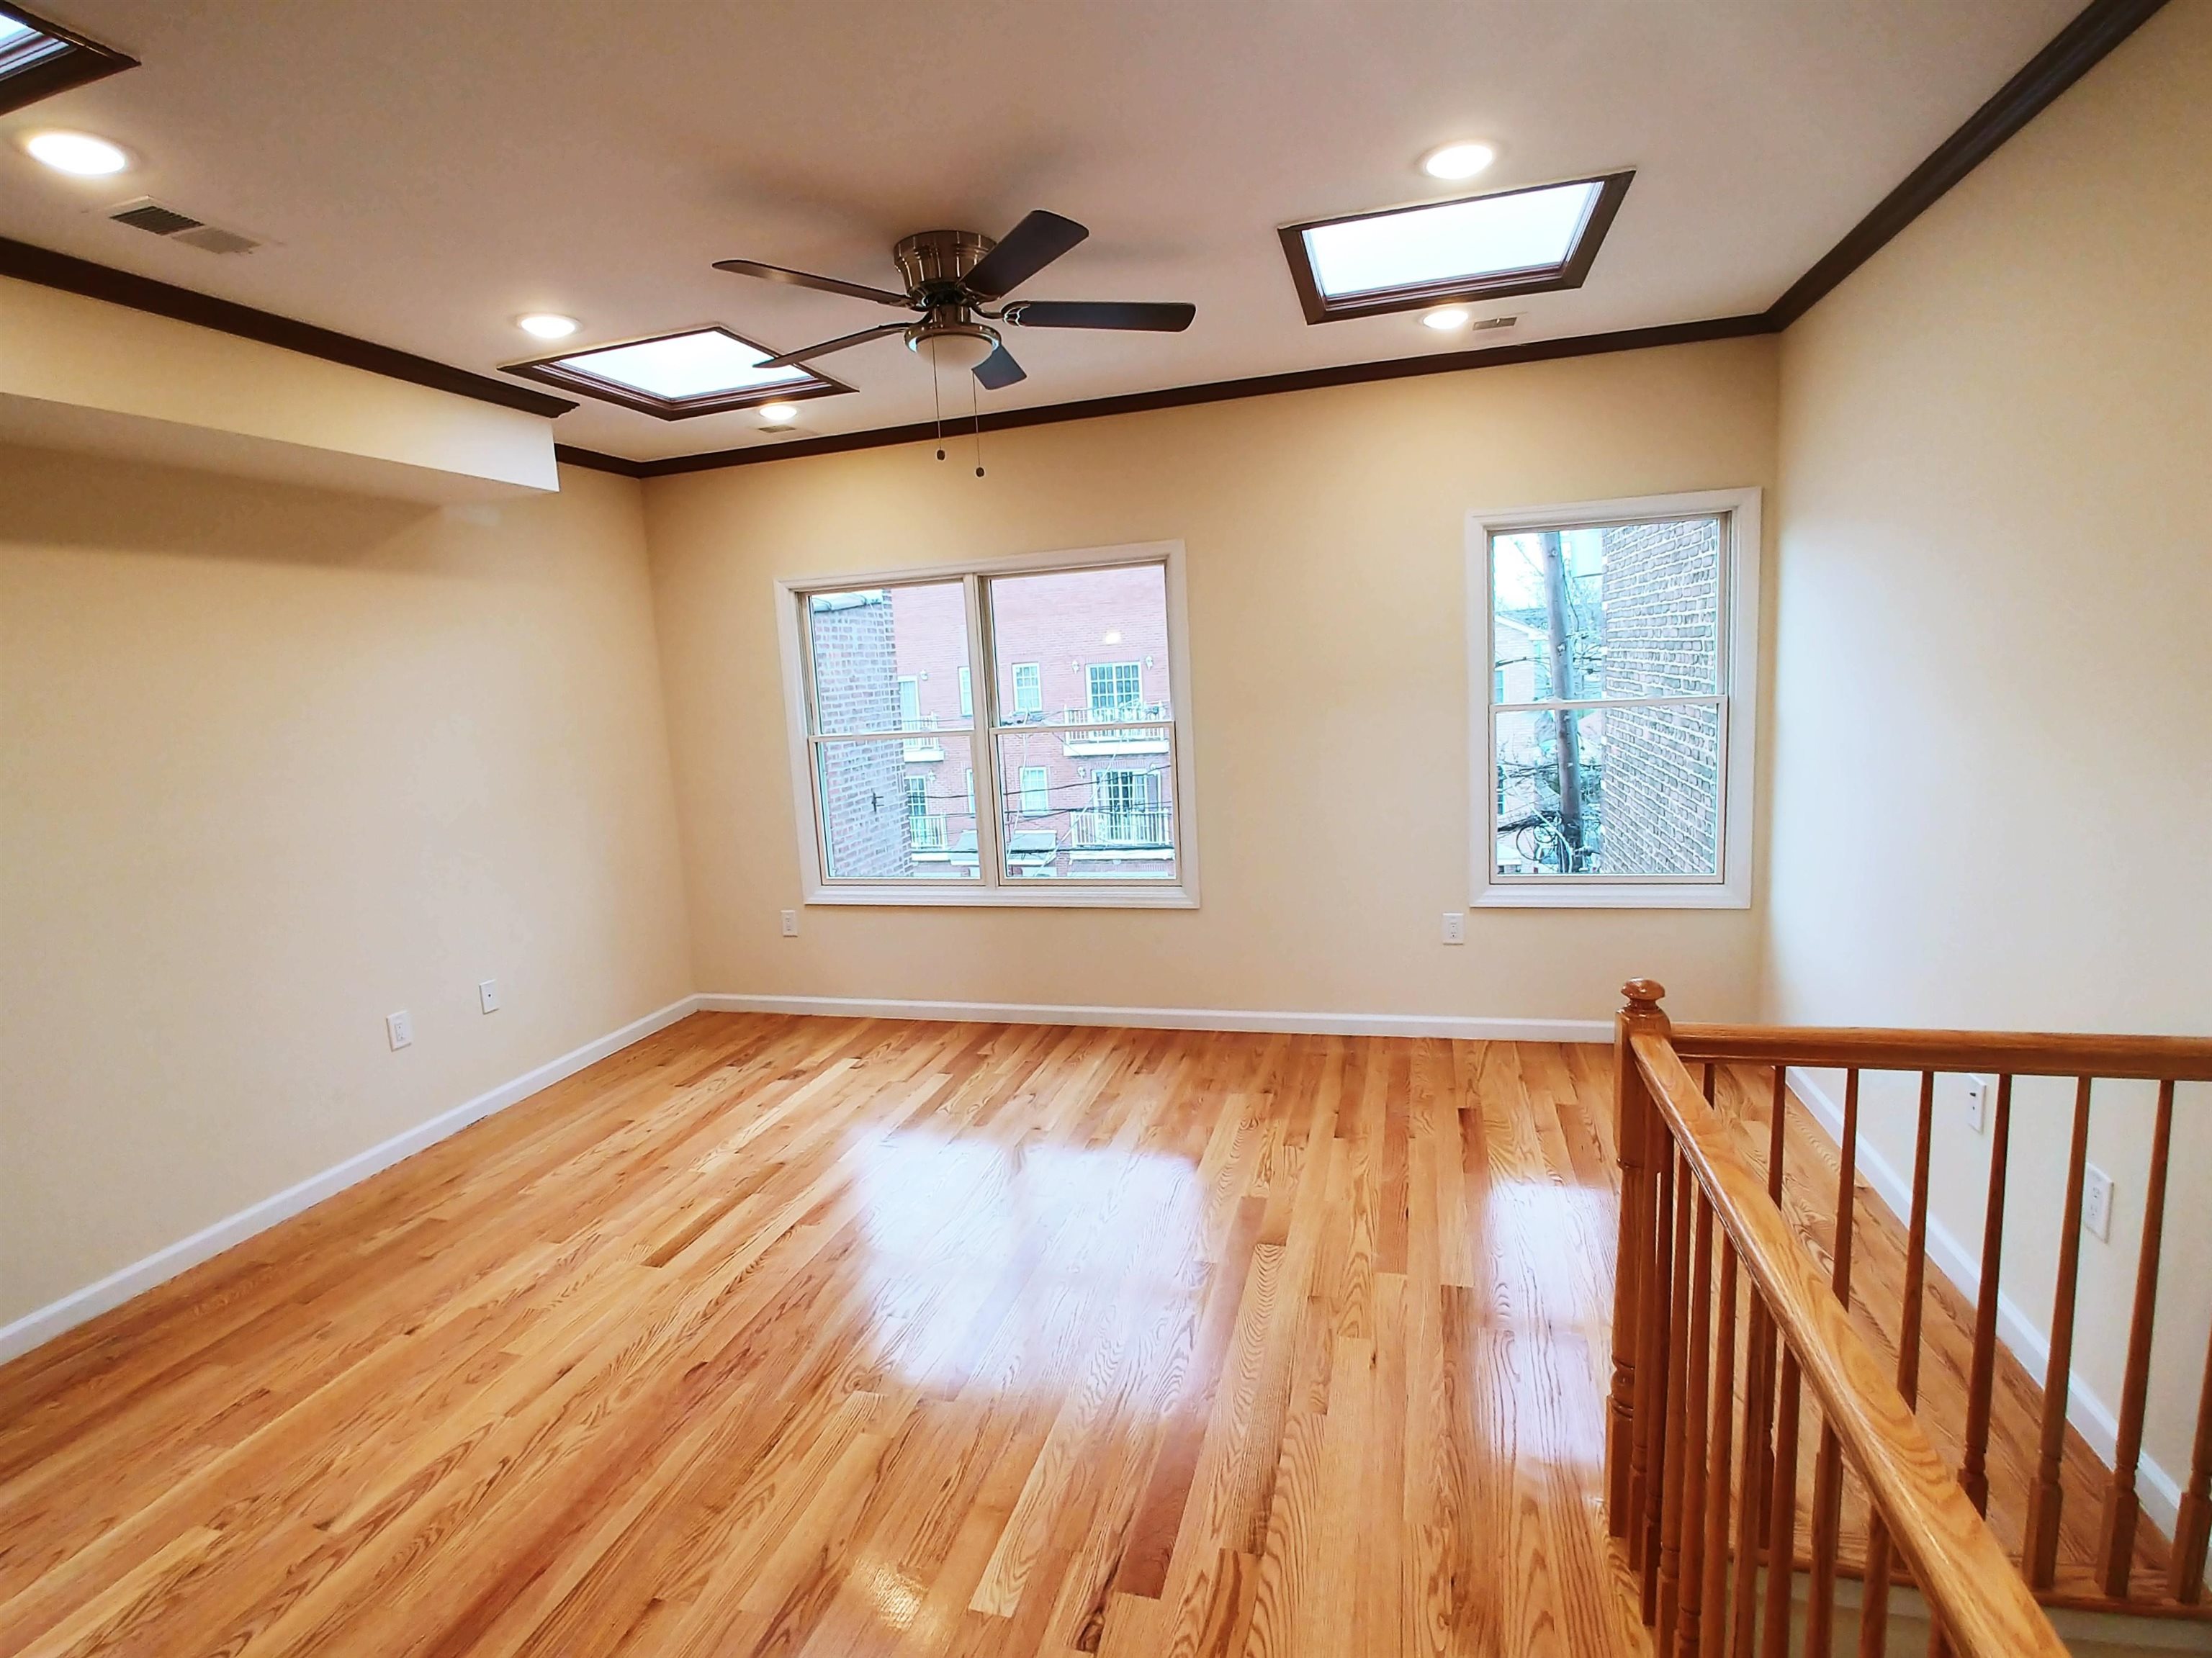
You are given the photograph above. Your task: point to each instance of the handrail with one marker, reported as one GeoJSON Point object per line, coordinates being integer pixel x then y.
{"type": "Point", "coordinates": [1986, 1607]}
{"type": "Point", "coordinates": [2020, 1053]}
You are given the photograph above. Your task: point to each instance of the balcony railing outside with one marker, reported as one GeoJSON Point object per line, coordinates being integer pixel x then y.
{"type": "Point", "coordinates": [926, 832]}
{"type": "Point", "coordinates": [1138, 829]}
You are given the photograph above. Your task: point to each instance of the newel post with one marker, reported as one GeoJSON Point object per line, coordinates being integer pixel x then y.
{"type": "Point", "coordinates": [1631, 1122]}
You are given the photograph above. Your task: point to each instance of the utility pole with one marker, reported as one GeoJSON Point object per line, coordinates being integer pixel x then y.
{"type": "Point", "coordinates": [1563, 688]}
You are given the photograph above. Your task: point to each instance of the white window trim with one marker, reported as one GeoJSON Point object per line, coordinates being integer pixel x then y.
{"type": "Point", "coordinates": [1740, 712]}
{"type": "Point", "coordinates": [923, 892]}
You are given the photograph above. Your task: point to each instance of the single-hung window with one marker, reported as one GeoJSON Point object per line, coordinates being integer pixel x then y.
{"type": "Point", "coordinates": [1052, 766]}
{"type": "Point", "coordinates": [1614, 646]}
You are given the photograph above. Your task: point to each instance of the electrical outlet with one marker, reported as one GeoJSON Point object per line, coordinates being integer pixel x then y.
{"type": "Point", "coordinates": [488, 994]}
{"type": "Point", "coordinates": [1455, 926]}
{"type": "Point", "coordinates": [400, 1028]}
{"type": "Point", "coordinates": [1977, 1103]}
{"type": "Point", "coordinates": [2097, 1204]}
{"type": "Point", "coordinates": [791, 924]}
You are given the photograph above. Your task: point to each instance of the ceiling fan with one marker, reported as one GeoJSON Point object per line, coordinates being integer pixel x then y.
{"type": "Point", "coordinates": [953, 278]}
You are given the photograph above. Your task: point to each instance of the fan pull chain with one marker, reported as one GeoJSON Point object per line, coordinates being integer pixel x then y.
{"type": "Point", "coordinates": [937, 402]}
{"type": "Point", "coordinates": [974, 415]}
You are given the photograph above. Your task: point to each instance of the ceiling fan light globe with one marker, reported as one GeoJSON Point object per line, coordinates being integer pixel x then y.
{"type": "Point", "coordinates": [958, 352]}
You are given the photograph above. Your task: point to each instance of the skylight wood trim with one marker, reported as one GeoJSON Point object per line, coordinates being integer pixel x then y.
{"type": "Point", "coordinates": [1319, 308]}
{"type": "Point", "coordinates": [85, 61]}
{"type": "Point", "coordinates": [552, 371]}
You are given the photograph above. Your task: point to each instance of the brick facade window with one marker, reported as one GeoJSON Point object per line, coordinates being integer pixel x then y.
{"type": "Point", "coordinates": [1054, 771]}
{"type": "Point", "coordinates": [1613, 679]}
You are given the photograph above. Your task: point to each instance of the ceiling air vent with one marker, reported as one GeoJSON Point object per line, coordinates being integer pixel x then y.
{"type": "Point", "coordinates": [148, 215]}
{"type": "Point", "coordinates": [1482, 322]}
{"type": "Point", "coordinates": [152, 215]}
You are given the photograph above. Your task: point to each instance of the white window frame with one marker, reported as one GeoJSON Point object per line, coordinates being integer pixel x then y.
{"type": "Point", "coordinates": [1742, 554]}
{"type": "Point", "coordinates": [992, 886]}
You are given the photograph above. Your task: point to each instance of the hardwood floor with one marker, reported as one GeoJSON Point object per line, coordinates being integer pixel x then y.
{"type": "Point", "coordinates": [776, 1335]}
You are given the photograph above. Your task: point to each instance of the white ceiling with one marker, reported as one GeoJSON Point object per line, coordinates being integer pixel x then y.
{"type": "Point", "coordinates": [424, 170]}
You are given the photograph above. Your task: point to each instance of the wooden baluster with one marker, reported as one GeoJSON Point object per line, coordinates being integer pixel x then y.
{"type": "Point", "coordinates": [1689, 1526]}
{"type": "Point", "coordinates": [2192, 1528]}
{"type": "Point", "coordinates": [1973, 1472]}
{"type": "Point", "coordinates": [1651, 1370]}
{"type": "Point", "coordinates": [1873, 1599]}
{"type": "Point", "coordinates": [1635, 1126]}
{"type": "Point", "coordinates": [1713, 1594]}
{"type": "Point", "coordinates": [1782, 1514]}
{"type": "Point", "coordinates": [1758, 1415]}
{"type": "Point", "coordinates": [1708, 1082]}
{"type": "Point", "coordinates": [2116, 1540]}
{"type": "Point", "coordinates": [1674, 1463]}
{"type": "Point", "coordinates": [1828, 1463]}
{"type": "Point", "coordinates": [2039, 1553]}
{"type": "Point", "coordinates": [1763, 1389]}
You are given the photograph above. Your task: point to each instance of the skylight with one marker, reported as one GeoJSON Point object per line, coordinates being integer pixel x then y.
{"type": "Point", "coordinates": [701, 371]}
{"type": "Point", "coordinates": [39, 58]}
{"type": "Point", "coordinates": [1520, 242]}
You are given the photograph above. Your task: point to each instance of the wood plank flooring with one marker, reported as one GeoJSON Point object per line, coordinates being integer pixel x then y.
{"type": "Point", "coordinates": [802, 1336]}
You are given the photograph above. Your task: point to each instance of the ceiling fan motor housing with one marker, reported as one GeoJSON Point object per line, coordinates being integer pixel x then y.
{"type": "Point", "coordinates": [934, 261]}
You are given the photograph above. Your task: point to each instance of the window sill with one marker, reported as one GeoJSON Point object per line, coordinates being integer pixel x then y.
{"type": "Point", "coordinates": [1039, 894]}
{"type": "Point", "coordinates": [1612, 895]}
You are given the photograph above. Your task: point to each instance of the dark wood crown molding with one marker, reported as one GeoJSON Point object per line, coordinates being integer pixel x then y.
{"type": "Point", "coordinates": [1260, 386]}
{"type": "Point", "coordinates": [100, 282]}
{"type": "Point", "coordinates": [569, 455]}
{"type": "Point", "coordinates": [2072, 53]}
{"type": "Point", "coordinates": [2076, 50]}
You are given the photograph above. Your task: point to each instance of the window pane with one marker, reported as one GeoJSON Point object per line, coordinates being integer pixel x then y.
{"type": "Point", "coordinates": [1082, 645]}
{"type": "Point", "coordinates": [1621, 610]}
{"type": "Point", "coordinates": [885, 818]}
{"type": "Point", "coordinates": [1632, 790]}
{"type": "Point", "coordinates": [890, 660]}
{"type": "Point", "coordinates": [1089, 803]}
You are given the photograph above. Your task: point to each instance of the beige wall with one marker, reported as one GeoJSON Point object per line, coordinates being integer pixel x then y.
{"type": "Point", "coordinates": [274, 763]}
{"type": "Point", "coordinates": [1325, 536]}
{"type": "Point", "coordinates": [1993, 713]}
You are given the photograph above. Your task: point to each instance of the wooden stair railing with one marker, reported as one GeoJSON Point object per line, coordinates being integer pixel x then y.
{"type": "Point", "coordinates": [1703, 1495]}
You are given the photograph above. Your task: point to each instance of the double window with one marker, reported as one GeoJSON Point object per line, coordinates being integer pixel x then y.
{"type": "Point", "coordinates": [1055, 683]}
{"type": "Point", "coordinates": [1616, 643]}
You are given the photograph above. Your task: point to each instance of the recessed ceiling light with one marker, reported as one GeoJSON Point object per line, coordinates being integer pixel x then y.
{"type": "Point", "coordinates": [1456, 161]}
{"type": "Point", "coordinates": [547, 325]}
{"type": "Point", "coordinates": [778, 413]}
{"type": "Point", "coordinates": [77, 153]}
{"type": "Point", "coordinates": [1450, 318]}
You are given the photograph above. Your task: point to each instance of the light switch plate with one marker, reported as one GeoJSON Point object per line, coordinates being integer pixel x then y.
{"type": "Point", "coordinates": [791, 924]}
{"type": "Point", "coordinates": [1454, 928]}
{"type": "Point", "coordinates": [399, 1029]}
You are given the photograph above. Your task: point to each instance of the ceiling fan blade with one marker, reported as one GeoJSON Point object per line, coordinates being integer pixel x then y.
{"type": "Point", "coordinates": [1159, 319]}
{"type": "Point", "coordinates": [807, 354]}
{"type": "Point", "coordinates": [776, 273]}
{"type": "Point", "coordinates": [1000, 370]}
{"type": "Point", "coordinates": [1030, 246]}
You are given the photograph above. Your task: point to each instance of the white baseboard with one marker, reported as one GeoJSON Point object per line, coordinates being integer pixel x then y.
{"type": "Point", "coordinates": [1451, 1026]}
{"type": "Point", "coordinates": [2029, 1342]}
{"type": "Point", "coordinates": [43, 1325]}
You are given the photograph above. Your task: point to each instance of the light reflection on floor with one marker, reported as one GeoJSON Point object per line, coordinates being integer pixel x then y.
{"type": "Point", "coordinates": [950, 1224]}
{"type": "Point", "coordinates": [1543, 1248]}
